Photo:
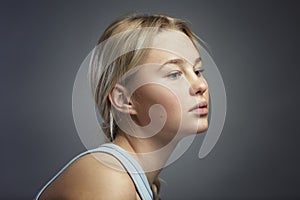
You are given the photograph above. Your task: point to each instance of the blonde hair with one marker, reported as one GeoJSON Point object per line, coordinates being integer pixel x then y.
{"type": "Point", "coordinates": [106, 71]}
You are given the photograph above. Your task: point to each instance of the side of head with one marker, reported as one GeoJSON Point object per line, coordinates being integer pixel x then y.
{"type": "Point", "coordinates": [120, 49]}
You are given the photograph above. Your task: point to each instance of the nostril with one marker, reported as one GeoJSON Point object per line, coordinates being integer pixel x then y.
{"type": "Point", "coordinates": [199, 90]}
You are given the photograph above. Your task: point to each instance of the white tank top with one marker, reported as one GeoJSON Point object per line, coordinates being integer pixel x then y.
{"type": "Point", "coordinates": [130, 164]}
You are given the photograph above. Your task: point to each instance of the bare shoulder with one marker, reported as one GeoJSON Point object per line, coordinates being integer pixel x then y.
{"type": "Point", "coordinates": [92, 176]}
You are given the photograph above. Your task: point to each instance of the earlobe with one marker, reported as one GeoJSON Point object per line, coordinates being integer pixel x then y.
{"type": "Point", "coordinates": [120, 100]}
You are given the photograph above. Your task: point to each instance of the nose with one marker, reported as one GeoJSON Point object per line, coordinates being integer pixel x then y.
{"type": "Point", "coordinates": [198, 86]}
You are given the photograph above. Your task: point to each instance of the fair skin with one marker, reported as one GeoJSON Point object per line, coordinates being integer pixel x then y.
{"type": "Point", "coordinates": [177, 85]}
{"type": "Point", "coordinates": [87, 178]}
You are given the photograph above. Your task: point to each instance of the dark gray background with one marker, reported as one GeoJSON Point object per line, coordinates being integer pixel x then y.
{"type": "Point", "coordinates": [255, 44]}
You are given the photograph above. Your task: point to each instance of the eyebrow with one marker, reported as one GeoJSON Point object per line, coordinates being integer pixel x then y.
{"type": "Point", "coordinates": [179, 60]}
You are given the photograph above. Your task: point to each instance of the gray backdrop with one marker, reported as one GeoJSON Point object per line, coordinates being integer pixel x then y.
{"type": "Point", "coordinates": [255, 45]}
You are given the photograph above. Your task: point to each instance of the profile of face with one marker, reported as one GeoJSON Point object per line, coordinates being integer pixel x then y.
{"type": "Point", "coordinates": [167, 92]}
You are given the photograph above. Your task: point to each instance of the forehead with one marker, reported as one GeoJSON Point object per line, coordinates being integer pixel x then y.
{"type": "Point", "coordinates": [165, 46]}
{"type": "Point", "coordinates": [169, 44]}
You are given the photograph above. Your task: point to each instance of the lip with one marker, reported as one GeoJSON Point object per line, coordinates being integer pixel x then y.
{"type": "Point", "coordinates": [200, 108]}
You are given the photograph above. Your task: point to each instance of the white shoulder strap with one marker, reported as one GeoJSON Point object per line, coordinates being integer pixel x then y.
{"type": "Point", "coordinates": [132, 167]}
{"type": "Point", "coordinates": [130, 164]}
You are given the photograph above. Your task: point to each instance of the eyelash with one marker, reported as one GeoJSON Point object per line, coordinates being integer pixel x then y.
{"type": "Point", "coordinates": [175, 75]}
{"type": "Point", "coordinates": [199, 72]}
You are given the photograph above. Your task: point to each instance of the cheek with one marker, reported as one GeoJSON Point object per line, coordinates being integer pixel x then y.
{"type": "Point", "coordinates": [149, 95]}
{"type": "Point", "coordinates": [173, 108]}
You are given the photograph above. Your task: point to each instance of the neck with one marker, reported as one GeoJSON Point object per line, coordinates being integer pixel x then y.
{"type": "Point", "coordinates": [151, 154]}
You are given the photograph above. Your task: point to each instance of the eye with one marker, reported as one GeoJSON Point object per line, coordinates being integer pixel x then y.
{"type": "Point", "coordinates": [198, 72]}
{"type": "Point", "coordinates": [175, 75]}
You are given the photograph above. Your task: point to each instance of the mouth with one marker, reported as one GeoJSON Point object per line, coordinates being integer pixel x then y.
{"type": "Point", "coordinates": [200, 108]}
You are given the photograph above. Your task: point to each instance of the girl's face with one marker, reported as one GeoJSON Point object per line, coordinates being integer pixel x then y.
{"type": "Point", "coordinates": [171, 76]}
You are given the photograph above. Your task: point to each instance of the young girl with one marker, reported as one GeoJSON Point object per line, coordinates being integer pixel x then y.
{"type": "Point", "coordinates": [148, 87]}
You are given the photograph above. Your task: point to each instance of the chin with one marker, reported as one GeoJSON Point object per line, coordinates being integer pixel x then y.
{"type": "Point", "coordinates": [202, 130]}
{"type": "Point", "coordinates": [202, 127]}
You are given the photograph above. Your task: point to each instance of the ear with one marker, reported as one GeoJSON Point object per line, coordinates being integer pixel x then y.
{"type": "Point", "coordinates": [120, 100]}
